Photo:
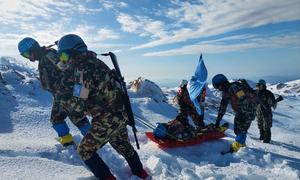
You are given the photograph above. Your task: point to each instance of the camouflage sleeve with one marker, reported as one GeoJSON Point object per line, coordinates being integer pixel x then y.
{"type": "Point", "coordinates": [271, 99]}
{"type": "Point", "coordinates": [103, 80]}
{"type": "Point", "coordinates": [180, 101]}
{"type": "Point", "coordinates": [43, 79]}
{"type": "Point", "coordinates": [222, 108]}
{"type": "Point", "coordinates": [110, 86]}
{"type": "Point", "coordinates": [92, 77]}
{"type": "Point", "coordinates": [50, 60]}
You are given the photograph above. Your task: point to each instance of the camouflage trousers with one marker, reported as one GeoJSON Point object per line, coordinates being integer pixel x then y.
{"type": "Point", "coordinates": [242, 123]}
{"type": "Point", "coordinates": [107, 127]}
{"type": "Point", "coordinates": [180, 129]}
{"type": "Point", "coordinates": [264, 119]}
{"type": "Point", "coordinates": [197, 119]}
{"type": "Point", "coordinates": [63, 107]}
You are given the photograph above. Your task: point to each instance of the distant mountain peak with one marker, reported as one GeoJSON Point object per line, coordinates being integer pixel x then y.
{"type": "Point", "coordinates": [146, 88]}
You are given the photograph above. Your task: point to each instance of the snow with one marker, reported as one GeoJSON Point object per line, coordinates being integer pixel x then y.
{"type": "Point", "coordinates": [146, 88]}
{"type": "Point", "coordinates": [28, 149]}
{"type": "Point", "coordinates": [291, 88]}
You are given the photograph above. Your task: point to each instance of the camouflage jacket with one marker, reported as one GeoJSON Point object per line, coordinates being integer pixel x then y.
{"type": "Point", "coordinates": [184, 101]}
{"type": "Point", "coordinates": [242, 99]}
{"type": "Point", "coordinates": [52, 79]}
{"type": "Point", "coordinates": [97, 85]}
{"type": "Point", "coordinates": [266, 100]}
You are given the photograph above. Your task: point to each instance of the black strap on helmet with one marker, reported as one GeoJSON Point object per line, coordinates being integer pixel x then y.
{"type": "Point", "coordinates": [79, 45]}
{"type": "Point", "coordinates": [51, 45]}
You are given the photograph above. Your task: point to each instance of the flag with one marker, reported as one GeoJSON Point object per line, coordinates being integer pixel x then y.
{"type": "Point", "coordinates": [197, 83]}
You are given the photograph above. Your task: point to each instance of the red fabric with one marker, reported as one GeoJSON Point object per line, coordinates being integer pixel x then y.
{"type": "Point", "coordinates": [169, 143]}
{"type": "Point", "coordinates": [143, 174]}
{"type": "Point", "coordinates": [203, 94]}
{"type": "Point", "coordinates": [111, 177]}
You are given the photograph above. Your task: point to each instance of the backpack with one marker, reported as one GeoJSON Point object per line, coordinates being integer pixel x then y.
{"type": "Point", "coordinates": [248, 95]}
{"type": "Point", "coordinates": [160, 131]}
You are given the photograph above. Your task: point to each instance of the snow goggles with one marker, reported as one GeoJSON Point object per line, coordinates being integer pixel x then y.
{"type": "Point", "coordinates": [26, 54]}
{"type": "Point", "coordinates": [65, 56]}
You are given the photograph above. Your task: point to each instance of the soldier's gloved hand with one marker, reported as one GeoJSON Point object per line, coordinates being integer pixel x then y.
{"type": "Point", "coordinates": [280, 98]}
{"type": "Point", "coordinates": [274, 106]}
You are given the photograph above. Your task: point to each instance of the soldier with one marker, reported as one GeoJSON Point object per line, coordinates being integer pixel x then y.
{"type": "Point", "coordinates": [187, 108]}
{"type": "Point", "coordinates": [243, 102]}
{"type": "Point", "coordinates": [180, 127]}
{"type": "Point", "coordinates": [56, 82]}
{"type": "Point", "coordinates": [98, 86]}
{"type": "Point", "coordinates": [264, 111]}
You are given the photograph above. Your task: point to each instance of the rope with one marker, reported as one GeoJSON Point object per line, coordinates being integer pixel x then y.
{"type": "Point", "coordinates": [140, 120]}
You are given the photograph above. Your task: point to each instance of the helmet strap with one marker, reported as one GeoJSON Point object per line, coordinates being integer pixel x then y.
{"type": "Point", "coordinates": [224, 86]}
{"type": "Point", "coordinates": [37, 53]}
{"type": "Point", "coordinates": [79, 45]}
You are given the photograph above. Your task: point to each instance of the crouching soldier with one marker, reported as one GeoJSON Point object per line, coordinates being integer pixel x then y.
{"type": "Point", "coordinates": [264, 111]}
{"type": "Point", "coordinates": [99, 88]}
{"type": "Point", "coordinates": [187, 108]}
{"type": "Point", "coordinates": [243, 102]}
{"type": "Point", "coordinates": [56, 82]}
{"type": "Point", "coordinates": [179, 128]}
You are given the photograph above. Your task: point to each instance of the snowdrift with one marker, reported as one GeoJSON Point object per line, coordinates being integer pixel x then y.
{"type": "Point", "coordinates": [291, 88]}
{"type": "Point", "coordinates": [28, 149]}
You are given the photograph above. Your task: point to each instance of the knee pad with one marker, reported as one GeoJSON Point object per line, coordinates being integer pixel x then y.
{"type": "Point", "coordinates": [84, 128]}
{"type": "Point", "coordinates": [61, 129]}
{"type": "Point", "coordinates": [241, 138]}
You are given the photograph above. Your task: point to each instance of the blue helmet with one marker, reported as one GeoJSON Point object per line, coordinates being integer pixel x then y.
{"type": "Point", "coordinates": [261, 81]}
{"type": "Point", "coordinates": [26, 44]}
{"type": "Point", "coordinates": [71, 42]}
{"type": "Point", "coordinates": [219, 79]}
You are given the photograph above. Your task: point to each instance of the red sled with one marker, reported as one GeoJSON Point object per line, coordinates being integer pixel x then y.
{"type": "Point", "coordinates": [170, 143]}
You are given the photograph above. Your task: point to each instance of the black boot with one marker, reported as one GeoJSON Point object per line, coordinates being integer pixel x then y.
{"type": "Point", "coordinates": [267, 136]}
{"type": "Point", "coordinates": [135, 164]}
{"type": "Point", "coordinates": [200, 122]}
{"type": "Point", "coordinates": [262, 134]}
{"type": "Point", "coordinates": [98, 167]}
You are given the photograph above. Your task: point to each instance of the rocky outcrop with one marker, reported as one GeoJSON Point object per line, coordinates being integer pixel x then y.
{"type": "Point", "coordinates": [146, 88]}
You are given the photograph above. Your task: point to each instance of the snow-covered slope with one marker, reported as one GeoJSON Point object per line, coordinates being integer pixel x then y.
{"type": "Point", "coordinates": [28, 149]}
{"type": "Point", "coordinates": [291, 88]}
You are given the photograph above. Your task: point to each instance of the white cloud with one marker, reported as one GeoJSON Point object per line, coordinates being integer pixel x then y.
{"type": "Point", "coordinates": [44, 20]}
{"type": "Point", "coordinates": [225, 45]}
{"type": "Point", "coordinates": [105, 33]}
{"type": "Point", "coordinates": [211, 17]}
{"type": "Point", "coordinates": [141, 25]}
{"type": "Point", "coordinates": [129, 24]}
{"type": "Point", "coordinates": [155, 28]}
{"type": "Point", "coordinates": [108, 4]}
{"type": "Point", "coordinates": [48, 36]}
{"type": "Point", "coordinates": [15, 11]}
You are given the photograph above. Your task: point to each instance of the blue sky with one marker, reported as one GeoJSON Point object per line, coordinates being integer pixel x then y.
{"type": "Point", "coordinates": [162, 40]}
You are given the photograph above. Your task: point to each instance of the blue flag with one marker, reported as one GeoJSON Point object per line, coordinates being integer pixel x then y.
{"type": "Point", "coordinates": [197, 84]}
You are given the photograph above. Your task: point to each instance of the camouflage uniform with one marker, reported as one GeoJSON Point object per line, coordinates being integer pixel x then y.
{"type": "Point", "coordinates": [56, 82]}
{"type": "Point", "coordinates": [243, 103]}
{"type": "Point", "coordinates": [187, 108]}
{"type": "Point", "coordinates": [264, 113]}
{"type": "Point", "coordinates": [102, 94]}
